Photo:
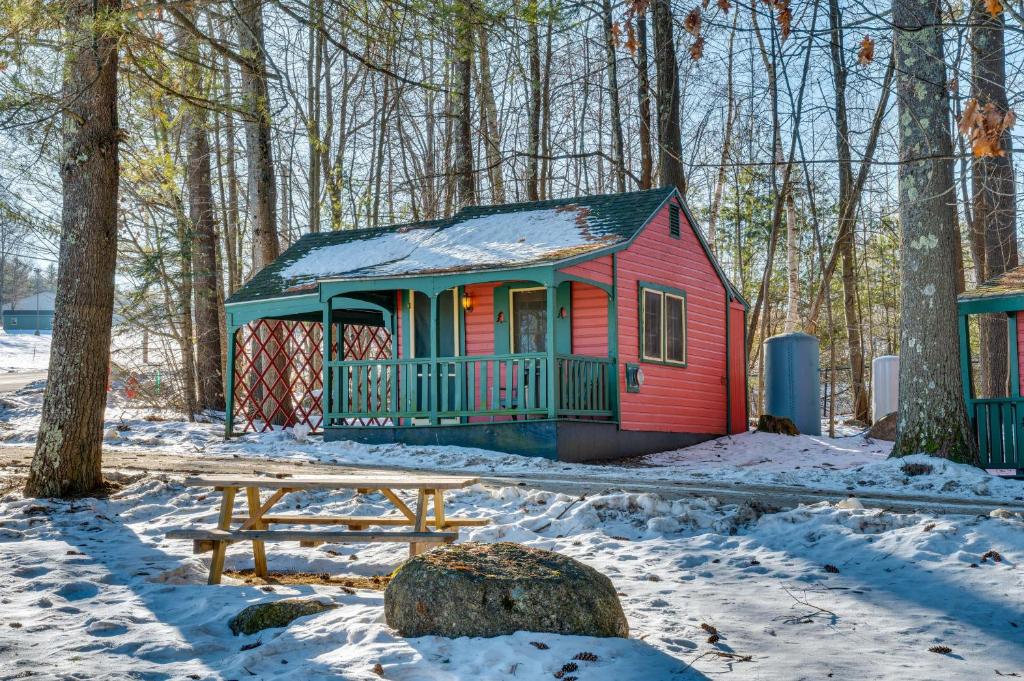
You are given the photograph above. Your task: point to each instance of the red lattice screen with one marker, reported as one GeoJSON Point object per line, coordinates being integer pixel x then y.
{"type": "Point", "coordinates": [279, 370]}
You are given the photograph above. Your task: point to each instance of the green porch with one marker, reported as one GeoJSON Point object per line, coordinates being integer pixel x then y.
{"type": "Point", "coordinates": [428, 376]}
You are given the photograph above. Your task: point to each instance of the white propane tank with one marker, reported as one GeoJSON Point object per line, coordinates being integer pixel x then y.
{"type": "Point", "coordinates": [885, 389]}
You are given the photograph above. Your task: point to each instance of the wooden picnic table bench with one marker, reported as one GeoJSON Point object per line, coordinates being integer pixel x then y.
{"type": "Point", "coordinates": [255, 525]}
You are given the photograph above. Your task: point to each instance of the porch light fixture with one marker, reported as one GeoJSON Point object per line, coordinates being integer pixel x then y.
{"type": "Point", "coordinates": [563, 313]}
{"type": "Point", "coordinates": [467, 302]}
{"type": "Point", "coordinates": [501, 318]}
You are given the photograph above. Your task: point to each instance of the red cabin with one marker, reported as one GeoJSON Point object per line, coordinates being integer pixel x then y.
{"type": "Point", "coordinates": [581, 329]}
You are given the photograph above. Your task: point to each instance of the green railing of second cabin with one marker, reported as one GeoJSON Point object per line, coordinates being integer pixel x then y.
{"type": "Point", "coordinates": [395, 390]}
{"type": "Point", "coordinates": [999, 425]}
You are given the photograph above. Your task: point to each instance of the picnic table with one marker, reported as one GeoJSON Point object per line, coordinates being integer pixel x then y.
{"type": "Point", "coordinates": [255, 525]}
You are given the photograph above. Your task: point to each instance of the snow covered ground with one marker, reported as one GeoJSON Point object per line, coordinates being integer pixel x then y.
{"type": "Point", "coordinates": [24, 352]}
{"type": "Point", "coordinates": [91, 589]}
{"type": "Point", "coordinates": [844, 464]}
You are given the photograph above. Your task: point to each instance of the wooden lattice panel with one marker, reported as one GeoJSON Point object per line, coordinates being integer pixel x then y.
{"type": "Point", "coordinates": [279, 370]}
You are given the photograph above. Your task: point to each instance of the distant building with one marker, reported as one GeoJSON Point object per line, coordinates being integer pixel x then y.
{"type": "Point", "coordinates": [31, 313]}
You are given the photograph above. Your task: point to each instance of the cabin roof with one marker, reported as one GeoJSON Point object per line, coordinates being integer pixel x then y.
{"type": "Point", "coordinates": [476, 238]}
{"type": "Point", "coordinates": [1009, 283]}
{"type": "Point", "coordinates": [44, 301]}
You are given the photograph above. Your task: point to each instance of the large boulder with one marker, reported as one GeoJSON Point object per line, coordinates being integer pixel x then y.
{"type": "Point", "coordinates": [275, 614]}
{"type": "Point", "coordinates": [496, 589]}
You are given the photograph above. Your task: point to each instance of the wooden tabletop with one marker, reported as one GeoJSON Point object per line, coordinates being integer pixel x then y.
{"type": "Point", "coordinates": [350, 481]}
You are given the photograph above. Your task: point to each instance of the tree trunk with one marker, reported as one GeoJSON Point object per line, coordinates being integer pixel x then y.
{"type": "Point", "coordinates": [792, 266]}
{"type": "Point", "coordinates": [994, 197]}
{"type": "Point", "coordinates": [203, 231]}
{"type": "Point", "coordinates": [68, 448]}
{"type": "Point", "coordinates": [255, 105]}
{"type": "Point", "coordinates": [533, 47]}
{"type": "Point", "coordinates": [611, 45]}
{"type": "Point", "coordinates": [491, 133]}
{"type": "Point", "coordinates": [262, 186]}
{"type": "Point", "coordinates": [204, 263]}
{"type": "Point", "coordinates": [845, 241]}
{"type": "Point", "coordinates": [730, 115]}
{"type": "Point", "coordinates": [670, 149]}
{"type": "Point", "coordinates": [644, 97]}
{"type": "Point", "coordinates": [314, 72]}
{"type": "Point", "coordinates": [464, 67]}
{"type": "Point", "coordinates": [186, 343]}
{"type": "Point", "coordinates": [932, 416]}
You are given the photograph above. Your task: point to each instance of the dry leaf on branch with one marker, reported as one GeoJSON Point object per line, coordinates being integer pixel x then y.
{"type": "Point", "coordinates": [631, 43]}
{"type": "Point", "coordinates": [993, 7]}
{"type": "Point", "coordinates": [866, 53]}
{"type": "Point", "coordinates": [983, 126]}
{"type": "Point", "coordinates": [724, 5]}
{"type": "Point", "coordinates": [692, 22]}
{"type": "Point", "coordinates": [697, 49]}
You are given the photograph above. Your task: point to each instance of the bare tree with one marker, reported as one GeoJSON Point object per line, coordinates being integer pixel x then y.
{"type": "Point", "coordinates": [68, 448]}
{"type": "Point", "coordinates": [259, 151]}
{"type": "Point", "coordinates": [670, 149]}
{"type": "Point", "coordinates": [994, 194]}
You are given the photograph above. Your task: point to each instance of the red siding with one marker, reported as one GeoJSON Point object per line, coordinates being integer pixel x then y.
{"type": "Point", "coordinates": [681, 399]}
{"type": "Point", "coordinates": [479, 327]}
{"type": "Point", "coordinates": [598, 269]}
{"type": "Point", "coordinates": [589, 320]}
{"type": "Point", "coordinates": [1020, 348]}
{"type": "Point", "coordinates": [737, 370]}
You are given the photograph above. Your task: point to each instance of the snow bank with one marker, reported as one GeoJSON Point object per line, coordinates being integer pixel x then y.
{"type": "Point", "coordinates": [93, 589]}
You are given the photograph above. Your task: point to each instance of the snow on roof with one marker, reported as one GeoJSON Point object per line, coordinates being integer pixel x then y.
{"type": "Point", "coordinates": [46, 301]}
{"type": "Point", "coordinates": [483, 241]}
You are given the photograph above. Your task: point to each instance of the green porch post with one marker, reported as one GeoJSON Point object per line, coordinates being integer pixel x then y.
{"type": "Point", "coordinates": [551, 290]}
{"type": "Point", "coordinates": [613, 338]}
{"type": "Point", "coordinates": [432, 372]}
{"type": "Point", "coordinates": [965, 364]}
{"type": "Point", "coordinates": [229, 403]}
{"type": "Point", "coordinates": [327, 339]}
{"type": "Point", "coordinates": [1011, 335]}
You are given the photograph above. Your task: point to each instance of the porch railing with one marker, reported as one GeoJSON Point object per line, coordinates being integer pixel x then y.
{"type": "Point", "coordinates": [999, 426]}
{"type": "Point", "coordinates": [585, 385]}
{"type": "Point", "coordinates": [465, 387]}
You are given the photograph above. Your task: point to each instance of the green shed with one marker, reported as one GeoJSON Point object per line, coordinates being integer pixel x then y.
{"type": "Point", "coordinates": [30, 314]}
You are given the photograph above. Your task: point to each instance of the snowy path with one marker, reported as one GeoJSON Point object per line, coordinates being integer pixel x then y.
{"type": "Point", "coordinates": [771, 496]}
{"type": "Point", "coordinates": [17, 380]}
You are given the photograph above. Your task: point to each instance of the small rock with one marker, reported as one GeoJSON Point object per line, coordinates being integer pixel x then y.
{"type": "Point", "coordinates": [782, 425]}
{"type": "Point", "coordinates": [275, 614]}
{"type": "Point", "coordinates": [850, 503]}
{"type": "Point", "coordinates": [884, 428]}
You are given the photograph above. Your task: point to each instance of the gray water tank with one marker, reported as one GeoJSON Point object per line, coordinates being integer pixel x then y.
{"type": "Point", "coordinates": [792, 385]}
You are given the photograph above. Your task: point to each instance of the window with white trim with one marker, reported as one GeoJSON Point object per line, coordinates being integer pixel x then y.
{"type": "Point", "coordinates": [662, 325]}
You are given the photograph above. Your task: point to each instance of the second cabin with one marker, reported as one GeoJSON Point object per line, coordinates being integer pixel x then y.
{"type": "Point", "coordinates": [579, 329]}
